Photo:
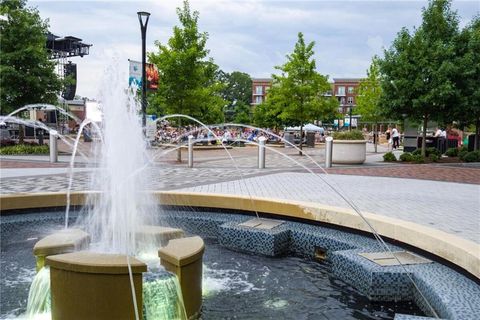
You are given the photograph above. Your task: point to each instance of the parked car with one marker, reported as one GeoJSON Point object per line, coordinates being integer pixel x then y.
{"type": "Point", "coordinates": [6, 138]}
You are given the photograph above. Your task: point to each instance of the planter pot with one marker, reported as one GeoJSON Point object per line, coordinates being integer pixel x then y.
{"type": "Point", "coordinates": [349, 151]}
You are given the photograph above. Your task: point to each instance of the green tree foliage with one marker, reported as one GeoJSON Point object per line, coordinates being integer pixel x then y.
{"type": "Point", "coordinates": [419, 69]}
{"type": "Point", "coordinates": [242, 113]}
{"type": "Point", "coordinates": [187, 82]}
{"type": "Point", "coordinates": [298, 93]}
{"type": "Point", "coordinates": [267, 115]}
{"type": "Point", "coordinates": [26, 74]}
{"type": "Point", "coordinates": [237, 92]}
{"type": "Point", "coordinates": [368, 98]}
{"type": "Point", "coordinates": [467, 110]}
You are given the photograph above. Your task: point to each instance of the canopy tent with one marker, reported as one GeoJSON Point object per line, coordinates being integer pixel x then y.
{"type": "Point", "coordinates": [308, 127]}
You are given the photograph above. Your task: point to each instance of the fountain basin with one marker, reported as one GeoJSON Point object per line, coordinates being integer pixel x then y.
{"type": "Point", "coordinates": [63, 241]}
{"type": "Point", "coordinates": [183, 257]}
{"type": "Point", "coordinates": [88, 285]}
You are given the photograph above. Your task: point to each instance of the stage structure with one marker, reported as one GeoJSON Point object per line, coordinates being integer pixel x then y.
{"type": "Point", "coordinates": [62, 49]}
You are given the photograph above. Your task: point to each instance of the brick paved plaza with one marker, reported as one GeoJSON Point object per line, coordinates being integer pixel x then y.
{"type": "Point", "coordinates": [442, 196]}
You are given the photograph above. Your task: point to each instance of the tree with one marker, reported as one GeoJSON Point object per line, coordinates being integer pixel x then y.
{"type": "Point", "coordinates": [368, 98]}
{"type": "Point", "coordinates": [26, 74]}
{"type": "Point", "coordinates": [237, 92]}
{"type": "Point", "coordinates": [299, 92]}
{"type": "Point", "coordinates": [242, 113]}
{"type": "Point", "coordinates": [419, 70]}
{"type": "Point", "coordinates": [468, 61]}
{"type": "Point", "coordinates": [187, 82]}
{"type": "Point", "coordinates": [267, 115]}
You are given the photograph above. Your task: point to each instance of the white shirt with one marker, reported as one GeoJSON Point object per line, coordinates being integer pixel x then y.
{"type": "Point", "coordinates": [443, 134]}
{"type": "Point", "coordinates": [395, 133]}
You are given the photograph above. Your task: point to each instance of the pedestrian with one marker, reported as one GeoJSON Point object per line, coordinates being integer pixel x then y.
{"type": "Point", "coordinates": [388, 135]}
{"type": "Point", "coordinates": [395, 138]}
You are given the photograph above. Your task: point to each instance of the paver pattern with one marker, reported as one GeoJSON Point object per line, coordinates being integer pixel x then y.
{"type": "Point", "coordinates": [451, 207]}
{"type": "Point", "coordinates": [425, 194]}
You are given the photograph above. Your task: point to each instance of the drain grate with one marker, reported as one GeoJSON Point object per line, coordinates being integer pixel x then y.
{"type": "Point", "coordinates": [388, 259]}
{"type": "Point", "coordinates": [261, 223]}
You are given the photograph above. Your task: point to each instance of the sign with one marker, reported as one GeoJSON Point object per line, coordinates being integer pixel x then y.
{"type": "Point", "coordinates": [151, 129]}
{"type": "Point", "coordinates": [135, 75]}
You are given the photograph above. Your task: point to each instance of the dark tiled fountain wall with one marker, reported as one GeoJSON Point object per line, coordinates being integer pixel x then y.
{"type": "Point", "coordinates": [452, 295]}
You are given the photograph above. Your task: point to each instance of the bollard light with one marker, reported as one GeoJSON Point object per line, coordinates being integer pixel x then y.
{"type": "Point", "coordinates": [261, 152]}
{"type": "Point", "coordinates": [190, 151]}
{"type": "Point", "coordinates": [328, 152]}
{"type": "Point", "coordinates": [53, 146]}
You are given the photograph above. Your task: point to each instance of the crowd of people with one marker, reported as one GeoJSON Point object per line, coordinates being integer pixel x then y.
{"type": "Point", "coordinates": [213, 135]}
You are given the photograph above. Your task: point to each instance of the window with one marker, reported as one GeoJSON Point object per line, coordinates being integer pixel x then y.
{"type": "Point", "coordinates": [342, 101]}
{"type": "Point", "coordinates": [341, 91]}
{"type": "Point", "coordinates": [258, 99]}
{"type": "Point", "coordinates": [350, 100]}
{"type": "Point", "coordinates": [350, 89]}
{"type": "Point", "coordinates": [258, 90]}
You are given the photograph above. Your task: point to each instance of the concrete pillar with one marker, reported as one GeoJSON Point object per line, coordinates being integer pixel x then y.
{"type": "Point", "coordinates": [89, 285]}
{"type": "Point", "coordinates": [328, 152]}
{"type": "Point", "coordinates": [190, 151]}
{"type": "Point", "coordinates": [261, 152]}
{"type": "Point", "coordinates": [64, 241]}
{"type": "Point", "coordinates": [53, 146]}
{"type": "Point", "coordinates": [184, 258]}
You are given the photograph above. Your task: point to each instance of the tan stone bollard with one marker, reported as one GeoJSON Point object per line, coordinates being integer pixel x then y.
{"type": "Point", "coordinates": [88, 285]}
{"type": "Point", "coordinates": [63, 241]}
{"type": "Point", "coordinates": [184, 258]}
{"type": "Point", "coordinates": [147, 237]}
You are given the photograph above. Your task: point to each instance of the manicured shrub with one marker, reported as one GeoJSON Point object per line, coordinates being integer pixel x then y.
{"type": "Point", "coordinates": [433, 157]}
{"type": "Point", "coordinates": [417, 152]}
{"type": "Point", "coordinates": [418, 158]}
{"type": "Point", "coordinates": [473, 156]}
{"type": "Point", "coordinates": [452, 152]}
{"type": "Point", "coordinates": [462, 154]}
{"type": "Point", "coordinates": [431, 150]}
{"type": "Point", "coordinates": [406, 156]}
{"type": "Point", "coordinates": [24, 149]}
{"type": "Point", "coordinates": [348, 135]}
{"type": "Point", "coordinates": [389, 157]}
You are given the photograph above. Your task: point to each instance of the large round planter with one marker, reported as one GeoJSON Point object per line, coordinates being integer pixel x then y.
{"type": "Point", "coordinates": [349, 151]}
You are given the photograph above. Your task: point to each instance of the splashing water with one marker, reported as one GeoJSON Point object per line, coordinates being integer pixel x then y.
{"type": "Point", "coordinates": [39, 303]}
{"type": "Point", "coordinates": [162, 298]}
{"type": "Point", "coordinates": [122, 205]}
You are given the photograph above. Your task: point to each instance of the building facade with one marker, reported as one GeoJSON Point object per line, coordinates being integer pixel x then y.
{"type": "Point", "coordinates": [260, 87]}
{"type": "Point", "coordinates": [345, 90]}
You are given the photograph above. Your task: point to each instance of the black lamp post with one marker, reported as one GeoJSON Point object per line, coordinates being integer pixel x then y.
{"type": "Point", "coordinates": [350, 112]}
{"type": "Point", "coordinates": [143, 19]}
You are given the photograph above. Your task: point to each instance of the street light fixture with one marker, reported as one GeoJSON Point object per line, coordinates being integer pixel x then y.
{"type": "Point", "coordinates": [143, 19]}
{"type": "Point", "coordinates": [350, 112]}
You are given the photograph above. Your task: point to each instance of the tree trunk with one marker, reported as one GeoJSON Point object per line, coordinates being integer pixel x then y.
{"type": "Point", "coordinates": [21, 134]}
{"type": "Point", "coordinates": [375, 136]}
{"type": "Point", "coordinates": [476, 145]}
{"type": "Point", "coordinates": [424, 135]}
{"type": "Point", "coordinates": [301, 139]}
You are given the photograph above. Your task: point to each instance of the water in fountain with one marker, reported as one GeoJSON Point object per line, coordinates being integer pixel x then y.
{"type": "Point", "coordinates": [122, 205]}
{"type": "Point", "coordinates": [39, 302]}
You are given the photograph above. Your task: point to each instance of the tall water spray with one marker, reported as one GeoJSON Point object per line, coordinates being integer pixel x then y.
{"type": "Point", "coordinates": [122, 205]}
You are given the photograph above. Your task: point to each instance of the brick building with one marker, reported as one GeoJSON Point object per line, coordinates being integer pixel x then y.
{"type": "Point", "coordinates": [344, 89]}
{"type": "Point", "coordinates": [260, 87]}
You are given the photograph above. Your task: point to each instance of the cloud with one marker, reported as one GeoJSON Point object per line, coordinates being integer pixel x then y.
{"type": "Point", "coordinates": [245, 35]}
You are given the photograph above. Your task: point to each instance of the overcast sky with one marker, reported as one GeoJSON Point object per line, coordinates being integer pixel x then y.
{"type": "Point", "coordinates": [244, 35]}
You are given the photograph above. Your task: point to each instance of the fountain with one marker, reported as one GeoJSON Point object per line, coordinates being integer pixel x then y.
{"type": "Point", "coordinates": [95, 270]}
{"type": "Point", "coordinates": [117, 258]}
